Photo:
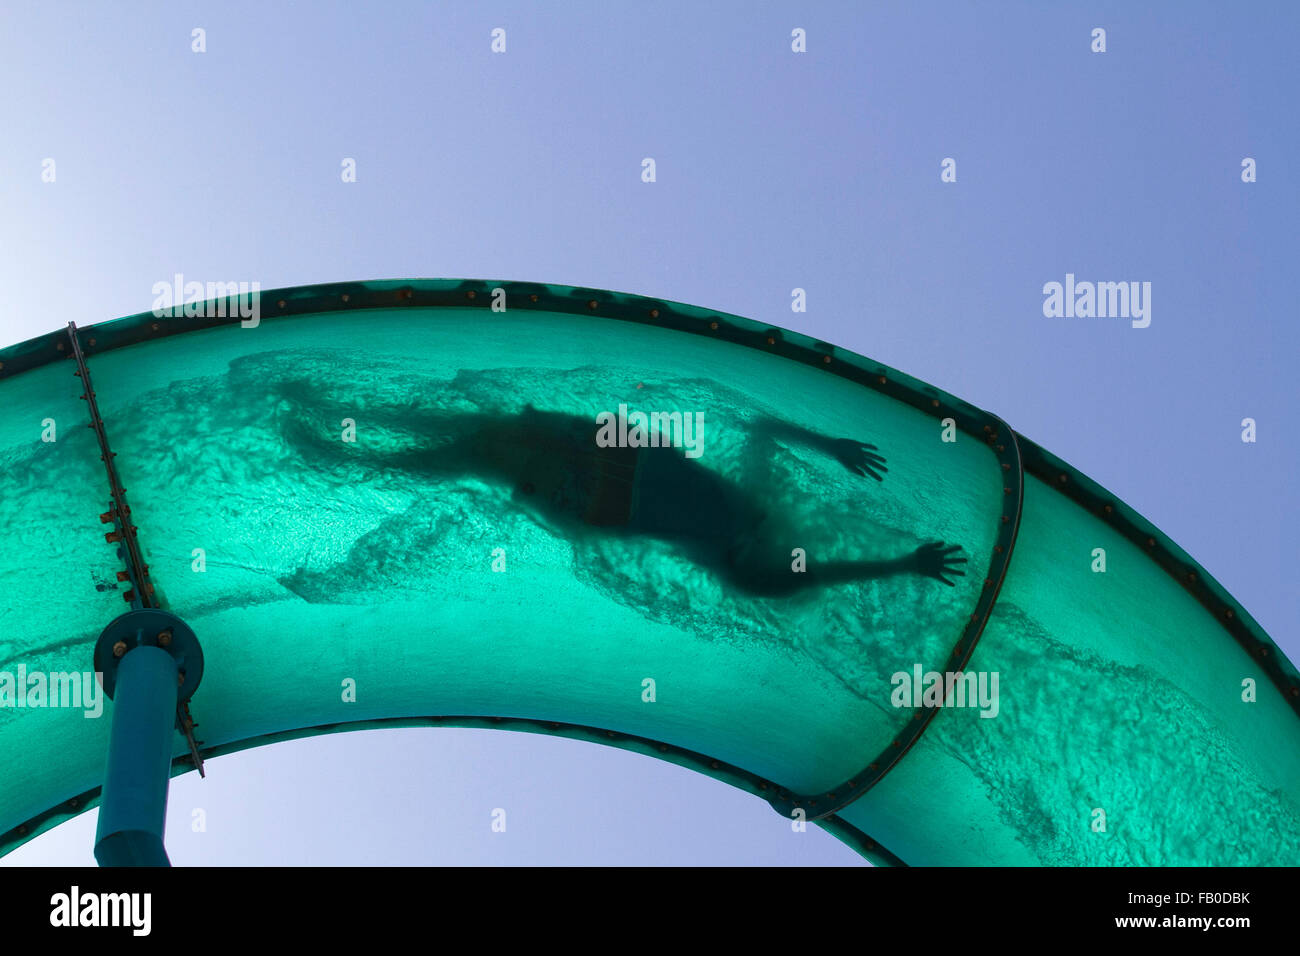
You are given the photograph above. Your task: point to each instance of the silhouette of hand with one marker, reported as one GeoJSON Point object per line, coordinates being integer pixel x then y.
{"type": "Point", "coordinates": [857, 457]}
{"type": "Point", "coordinates": [934, 561]}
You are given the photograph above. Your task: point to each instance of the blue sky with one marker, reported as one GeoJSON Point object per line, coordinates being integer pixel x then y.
{"type": "Point", "coordinates": [775, 170]}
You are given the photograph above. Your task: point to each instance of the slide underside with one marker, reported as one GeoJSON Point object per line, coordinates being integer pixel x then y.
{"type": "Point", "coordinates": [643, 524]}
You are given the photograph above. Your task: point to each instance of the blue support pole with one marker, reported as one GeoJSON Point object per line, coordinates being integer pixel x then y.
{"type": "Point", "coordinates": [133, 810]}
{"type": "Point", "coordinates": [150, 663]}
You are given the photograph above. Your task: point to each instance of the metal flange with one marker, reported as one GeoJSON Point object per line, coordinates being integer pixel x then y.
{"type": "Point", "coordinates": [150, 627]}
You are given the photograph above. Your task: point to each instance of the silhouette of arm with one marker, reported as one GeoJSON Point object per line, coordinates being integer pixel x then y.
{"type": "Point", "coordinates": [933, 560]}
{"type": "Point", "coordinates": [857, 457]}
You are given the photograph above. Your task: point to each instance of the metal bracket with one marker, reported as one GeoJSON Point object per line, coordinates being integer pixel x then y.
{"type": "Point", "coordinates": [185, 724]}
{"type": "Point", "coordinates": [150, 628]}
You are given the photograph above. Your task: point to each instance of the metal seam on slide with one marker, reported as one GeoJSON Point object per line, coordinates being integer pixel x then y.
{"type": "Point", "coordinates": [717, 769]}
{"type": "Point", "coordinates": [817, 806]}
{"type": "Point", "coordinates": [141, 594]}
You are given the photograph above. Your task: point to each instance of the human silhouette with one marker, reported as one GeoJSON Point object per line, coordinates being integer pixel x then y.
{"type": "Point", "coordinates": [558, 473]}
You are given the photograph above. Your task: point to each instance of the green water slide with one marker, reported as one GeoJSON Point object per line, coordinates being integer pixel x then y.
{"type": "Point", "coordinates": [638, 523]}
